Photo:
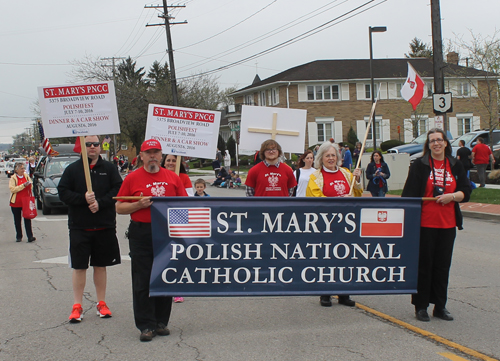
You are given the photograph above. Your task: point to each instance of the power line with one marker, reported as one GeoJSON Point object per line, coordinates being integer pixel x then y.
{"type": "Point", "coordinates": [232, 26]}
{"type": "Point", "coordinates": [302, 36]}
{"type": "Point", "coordinates": [267, 35]}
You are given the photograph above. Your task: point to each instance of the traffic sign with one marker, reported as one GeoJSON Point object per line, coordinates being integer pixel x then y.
{"type": "Point", "coordinates": [442, 103]}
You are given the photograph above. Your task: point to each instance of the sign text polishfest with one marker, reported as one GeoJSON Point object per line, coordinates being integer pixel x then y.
{"type": "Point", "coordinates": [283, 246]}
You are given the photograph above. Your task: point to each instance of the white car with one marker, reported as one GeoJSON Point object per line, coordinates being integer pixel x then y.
{"type": "Point", "coordinates": [9, 167]}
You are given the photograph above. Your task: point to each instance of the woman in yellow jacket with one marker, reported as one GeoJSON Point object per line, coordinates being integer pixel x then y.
{"type": "Point", "coordinates": [20, 185]}
{"type": "Point", "coordinates": [331, 180]}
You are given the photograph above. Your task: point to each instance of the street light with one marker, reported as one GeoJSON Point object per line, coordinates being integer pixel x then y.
{"type": "Point", "coordinates": [374, 29]}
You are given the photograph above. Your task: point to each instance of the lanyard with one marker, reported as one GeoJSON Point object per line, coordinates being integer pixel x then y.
{"type": "Point", "coordinates": [434, 174]}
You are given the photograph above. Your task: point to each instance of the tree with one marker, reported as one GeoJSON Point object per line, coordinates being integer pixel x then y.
{"type": "Point", "coordinates": [131, 94]}
{"type": "Point", "coordinates": [91, 69]}
{"type": "Point", "coordinates": [221, 144]}
{"type": "Point", "coordinates": [231, 147]}
{"type": "Point", "coordinates": [483, 53]}
{"type": "Point", "coordinates": [419, 49]}
{"type": "Point", "coordinates": [352, 138]}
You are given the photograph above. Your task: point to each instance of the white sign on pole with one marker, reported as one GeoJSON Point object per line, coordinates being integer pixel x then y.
{"type": "Point", "coordinates": [184, 131]}
{"type": "Point", "coordinates": [286, 126]}
{"type": "Point", "coordinates": [79, 110]}
{"type": "Point", "coordinates": [439, 121]}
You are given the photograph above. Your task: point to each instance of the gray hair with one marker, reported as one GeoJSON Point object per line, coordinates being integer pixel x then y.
{"type": "Point", "coordinates": [18, 165]}
{"type": "Point", "coordinates": [325, 147]}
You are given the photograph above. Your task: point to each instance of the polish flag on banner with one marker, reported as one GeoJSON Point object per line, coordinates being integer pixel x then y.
{"type": "Point", "coordinates": [388, 222]}
{"type": "Point", "coordinates": [189, 223]}
{"type": "Point", "coordinates": [413, 88]}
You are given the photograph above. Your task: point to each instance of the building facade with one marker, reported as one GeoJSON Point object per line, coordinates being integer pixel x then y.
{"type": "Point", "coordinates": [337, 96]}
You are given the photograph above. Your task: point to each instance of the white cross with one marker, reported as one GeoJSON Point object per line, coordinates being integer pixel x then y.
{"type": "Point", "coordinates": [274, 131]}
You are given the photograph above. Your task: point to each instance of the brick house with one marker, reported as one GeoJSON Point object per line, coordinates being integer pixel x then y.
{"type": "Point", "coordinates": [337, 95]}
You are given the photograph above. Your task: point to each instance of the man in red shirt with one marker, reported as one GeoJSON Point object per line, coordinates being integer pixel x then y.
{"type": "Point", "coordinates": [481, 155]}
{"type": "Point", "coordinates": [270, 178]}
{"type": "Point", "coordinates": [151, 314]}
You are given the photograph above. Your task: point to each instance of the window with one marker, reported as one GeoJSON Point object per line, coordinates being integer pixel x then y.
{"type": "Point", "coordinates": [430, 89]}
{"type": "Point", "coordinates": [463, 89]}
{"type": "Point", "coordinates": [262, 98]}
{"type": "Point", "coordinates": [377, 125]}
{"type": "Point", "coordinates": [275, 99]}
{"type": "Point", "coordinates": [325, 131]}
{"type": "Point", "coordinates": [398, 89]}
{"type": "Point", "coordinates": [248, 100]}
{"type": "Point", "coordinates": [464, 125]}
{"type": "Point", "coordinates": [368, 94]}
{"type": "Point", "coordinates": [323, 92]}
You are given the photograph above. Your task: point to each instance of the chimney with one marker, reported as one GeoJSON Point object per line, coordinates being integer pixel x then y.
{"type": "Point", "coordinates": [452, 58]}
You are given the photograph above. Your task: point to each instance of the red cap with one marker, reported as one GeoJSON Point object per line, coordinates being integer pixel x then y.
{"type": "Point", "coordinates": [150, 144]}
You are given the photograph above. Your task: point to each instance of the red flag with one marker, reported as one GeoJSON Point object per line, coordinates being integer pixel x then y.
{"type": "Point", "coordinates": [413, 89]}
{"type": "Point", "coordinates": [78, 147]}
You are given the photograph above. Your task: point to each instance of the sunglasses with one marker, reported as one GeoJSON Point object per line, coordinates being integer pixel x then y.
{"type": "Point", "coordinates": [89, 144]}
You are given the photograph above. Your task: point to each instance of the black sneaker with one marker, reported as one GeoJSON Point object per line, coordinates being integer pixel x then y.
{"type": "Point", "coordinates": [19, 239]}
{"type": "Point", "coordinates": [147, 335]}
{"type": "Point", "coordinates": [346, 301]}
{"type": "Point", "coordinates": [325, 301]}
{"type": "Point", "coordinates": [422, 315]}
{"type": "Point", "coordinates": [443, 314]}
{"type": "Point", "coordinates": [32, 239]}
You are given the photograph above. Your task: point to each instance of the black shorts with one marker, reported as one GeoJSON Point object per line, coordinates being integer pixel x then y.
{"type": "Point", "coordinates": [101, 247]}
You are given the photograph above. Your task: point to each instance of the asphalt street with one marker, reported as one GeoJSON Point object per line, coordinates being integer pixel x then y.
{"type": "Point", "coordinates": [36, 299]}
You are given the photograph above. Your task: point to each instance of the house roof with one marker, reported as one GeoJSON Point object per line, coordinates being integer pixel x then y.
{"type": "Point", "coordinates": [349, 69]}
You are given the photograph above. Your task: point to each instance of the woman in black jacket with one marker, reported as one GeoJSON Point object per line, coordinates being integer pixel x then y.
{"type": "Point", "coordinates": [436, 174]}
{"type": "Point", "coordinates": [377, 172]}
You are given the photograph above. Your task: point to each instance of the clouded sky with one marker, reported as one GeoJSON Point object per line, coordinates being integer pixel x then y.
{"type": "Point", "coordinates": [40, 39]}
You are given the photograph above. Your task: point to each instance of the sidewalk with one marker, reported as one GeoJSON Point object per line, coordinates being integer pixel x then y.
{"type": "Point", "coordinates": [470, 209]}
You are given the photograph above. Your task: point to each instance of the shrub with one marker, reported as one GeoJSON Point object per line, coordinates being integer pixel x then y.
{"type": "Point", "coordinates": [390, 144]}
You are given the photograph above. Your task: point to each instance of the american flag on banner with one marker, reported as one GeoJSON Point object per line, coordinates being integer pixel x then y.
{"type": "Point", "coordinates": [189, 223]}
{"type": "Point", "coordinates": [45, 141]}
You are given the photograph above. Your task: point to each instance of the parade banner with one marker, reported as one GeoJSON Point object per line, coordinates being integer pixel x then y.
{"type": "Point", "coordinates": [284, 246]}
{"type": "Point", "coordinates": [79, 110]}
{"type": "Point", "coordinates": [184, 131]}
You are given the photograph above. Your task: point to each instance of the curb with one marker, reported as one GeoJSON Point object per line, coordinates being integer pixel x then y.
{"type": "Point", "coordinates": [481, 215]}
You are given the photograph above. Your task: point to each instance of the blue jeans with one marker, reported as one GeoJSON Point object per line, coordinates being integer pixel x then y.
{"type": "Point", "coordinates": [380, 193]}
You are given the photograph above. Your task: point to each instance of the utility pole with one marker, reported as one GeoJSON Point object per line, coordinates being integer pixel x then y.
{"type": "Point", "coordinates": [437, 53]}
{"type": "Point", "coordinates": [167, 23]}
{"type": "Point", "coordinates": [114, 80]}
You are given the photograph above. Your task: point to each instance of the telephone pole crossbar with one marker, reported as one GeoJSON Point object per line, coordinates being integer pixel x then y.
{"type": "Point", "coordinates": [167, 24]}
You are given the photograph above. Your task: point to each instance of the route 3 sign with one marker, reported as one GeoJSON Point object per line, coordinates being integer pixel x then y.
{"type": "Point", "coordinates": [442, 103]}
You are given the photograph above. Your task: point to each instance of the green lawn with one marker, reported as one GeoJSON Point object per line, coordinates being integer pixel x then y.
{"type": "Point", "coordinates": [479, 195]}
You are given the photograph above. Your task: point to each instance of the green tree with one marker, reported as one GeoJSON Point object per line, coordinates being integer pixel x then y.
{"type": "Point", "coordinates": [419, 49]}
{"type": "Point", "coordinates": [132, 101]}
{"type": "Point", "coordinates": [352, 138]}
{"type": "Point", "coordinates": [231, 146]}
{"type": "Point", "coordinates": [221, 144]}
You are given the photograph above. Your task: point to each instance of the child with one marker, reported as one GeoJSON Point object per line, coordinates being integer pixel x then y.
{"type": "Point", "coordinates": [199, 186]}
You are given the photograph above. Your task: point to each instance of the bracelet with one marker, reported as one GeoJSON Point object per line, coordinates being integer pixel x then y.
{"type": "Point", "coordinates": [453, 196]}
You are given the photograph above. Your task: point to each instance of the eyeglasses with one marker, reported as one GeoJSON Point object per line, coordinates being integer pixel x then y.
{"type": "Point", "coordinates": [89, 144]}
{"type": "Point", "coordinates": [438, 140]}
{"type": "Point", "coordinates": [271, 150]}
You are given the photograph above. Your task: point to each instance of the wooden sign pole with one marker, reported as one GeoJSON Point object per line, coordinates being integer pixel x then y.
{"type": "Point", "coordinates": [86, 168]}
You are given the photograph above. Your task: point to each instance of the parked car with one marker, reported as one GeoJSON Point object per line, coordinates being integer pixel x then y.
{"type": "Point", "coordinates": [46, 178]}
{"type": "Point", "coordinates": [9, 166]}
{"type": "Point", "coordinates": [470, 139]}
{"type": "Point", "coordinates": [415, 146]}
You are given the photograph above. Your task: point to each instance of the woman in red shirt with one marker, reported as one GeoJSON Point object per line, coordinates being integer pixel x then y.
{"type": "Point", "coordinates": [20, 187]}
{"type": "Point", "coordinates": [331, 180]}
{"type": "Point", "coordinates": [436, 174]}
{"type": "Point", "coordinates": [168, 162]}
